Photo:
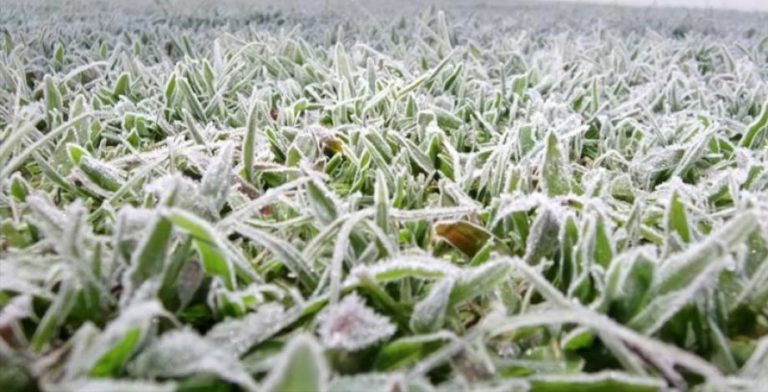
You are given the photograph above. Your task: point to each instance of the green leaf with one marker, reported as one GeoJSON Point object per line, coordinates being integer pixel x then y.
{"type": "Point", "coordinates": [578, 339]}
{"type": "Point", "coordinates": [207, 242]}
{"type": "Point", "coordinates": [322, 202]}
{"type": "Point", "coordinates": [479, 280]}
{"type": "Point", "coordinates": [122, 85]}
{"type": "Point", "coordinates": [249, 142]}
{"type": "Point", "coordinates": [284, 251]}
{"type": "Point", "coordinates": [53, 100]}
{"type": "Point", "coordinates": [19, 187]}
{"type": "Point", "coordinates": [677, 220]}
{"type": "Point", "coordinates": [217, 180]}
{"type": "Point", "coordinates": [543, 238]}
{"type": "Point", "coordinates": [102, 174]}
{"type": "Point", "coordinates": [680, 270]}
{"type": "Point", "coordinates": [381, 202]}
{"type": "Point", "coordinates": [554, 169]}
{"type": "Point", "coordinates": [55, 316]}
{"type": "Point", "coordinates": [149, 259]}
{"type": "Point", "coordinates": [407, 267]}
{"type": "Point", "coordinates": [301, 367]}
{"type": "Point", "coordinates": [409, 350]}
{"type": "Point", "coordinates": [599, 382]}
{"type": "Point", "coordinates": [602, 246]}
{"type": "Point", "coordinates": [755, 131]}
{"type": "Point", "coordinates": [182, 353]}
{"type": "Point", "coordinates": [113, 361]}
{"type": "Point", "coordinates": [76, 153]}
{"type": "Point", "coordinates": [429, 313]}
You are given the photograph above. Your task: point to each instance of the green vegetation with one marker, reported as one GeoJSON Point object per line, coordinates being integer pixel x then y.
{"type": "Point", "coordinates": [431, 202]}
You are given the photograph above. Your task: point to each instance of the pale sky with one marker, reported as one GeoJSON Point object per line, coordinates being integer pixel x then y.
{"type": "Point", "coordinates": [745, 5]}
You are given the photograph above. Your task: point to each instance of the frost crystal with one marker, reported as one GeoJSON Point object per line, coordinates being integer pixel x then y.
{"type": "Point", "coordinates": [350, 325]}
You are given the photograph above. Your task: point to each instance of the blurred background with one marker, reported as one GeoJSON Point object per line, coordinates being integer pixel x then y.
{"type": "Point", "coordinates": [743, 5]}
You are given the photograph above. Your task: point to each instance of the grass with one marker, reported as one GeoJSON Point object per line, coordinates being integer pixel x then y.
{"type": "Point", "coordinates": [434, 201]}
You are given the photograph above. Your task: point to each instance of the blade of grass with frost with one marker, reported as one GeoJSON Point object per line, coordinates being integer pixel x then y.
{"type": "Point", "coordinates": [479, 280]}
{"type": "Point", "coordinates": [756, 131]}
{"type": "Point", "coordinates": [429, 313]}
{"type": "Point", "coordinates": [207, 243]}
{"type": "Point", "coordinates": [606, 325]}
{"type": "Point", "coordinates": [197, 136]}
{"type": "Point", "coordinates": [301, 367]}
{"type": "Point", "coordinates": [407, 267]}
{"type": "Point", "coordinates": [543, 239]}
{"type": "Point", "coordinates": [322, 202]}
{"type": "Point", "coordinates": [602, 323]}
{"type": "Point", "coordinates": [238, 336]}
{"type": "Point", "coordinates": [662, 307]}
{"type": "Point", "coordinates": [194, 104]}
{"type": "Point", "coordinates": [286, 252]}
{"type": "Point", "coordinates": [424, 77]}
{"type": "Point", "coordinates": [122, 85]}
{"type": "Point", "coordinates": [217, 179]}
{"type": "Point", "coordinates": [243, 212]}
{"type": "Point", "coordinates": [757, 361]}
{"type": "Point", "coordinates": [97, 171]}
{"type": "Point", "coordinates": [16, 138]}
{"type": "Point", "coordinates": [677, 219]}
{"type": "Point", "coordinates": [407, 351]}
{"type": "Point", "coordinates": [340, 249]}
{"type": "Point", "coordinates": [19, 187]}
{"type": "Point", "coordinates": [53, 100]}
{"type": "Point", "coordinates": [47, 216]}
{"type": "Point", "coordinates": [600, 244]}
{"type": "Point", "coordinates": [377, 382]}
{"type": "Point", "coordinates": [607, 381]}
{"type": "Point", "coordinates": [112, 362]}
{"type": "Point", "coordinates": [55, 316]}
{"type": "Point", "coordinates": [381, 202]}
{"type": "Point", "coordinates": [21, 157]}
{"type": "Point", "coordinates": [682, 269]}
{"type": "Point", "coordinates": [249, 141]}
{"type": "Point", "coordinates": [118, 385]}
{"type": "Point", "coordinates": [183, 352]}
{"type": "Point", "coordinates": [148, 260]}
{"type": "Point", "coordinates": [554, 171]}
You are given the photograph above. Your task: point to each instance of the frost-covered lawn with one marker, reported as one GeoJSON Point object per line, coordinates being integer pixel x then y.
{"type": "Point", "coordinates": [487, 198]}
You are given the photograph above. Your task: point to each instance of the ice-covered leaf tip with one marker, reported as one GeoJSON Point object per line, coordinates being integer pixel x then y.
{"type": "Point", "coordinates": [351, 325]}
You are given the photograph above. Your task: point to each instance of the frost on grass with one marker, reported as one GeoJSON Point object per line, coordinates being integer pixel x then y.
{"type": "Point", "coordinates": [351, 325]}
{"type": "Point", "coordinates": [301, 367]}
{"type": "Point", "coordinates": [183, 353]}
{"type": "Point", "coordinates": [187, 187]}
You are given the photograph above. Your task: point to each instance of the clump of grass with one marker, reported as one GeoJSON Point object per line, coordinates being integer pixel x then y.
{"type": "Point", "coordinates": [422, 203]}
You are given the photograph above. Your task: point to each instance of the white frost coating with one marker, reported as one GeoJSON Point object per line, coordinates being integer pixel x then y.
{"type": "Point", "coordinates": [351, 325]}
{"type": "Point", "coordinates": [396, 268]}
{"type": "Point", "coordinates": [239, 335]}
{"type": "Point", "coordinates": [215, 184]}
{"type": "Point", "coordinates": [184, 352]}
{"type": "Point", "coordinates": [114, 385]}
{"type": "Point", "coordinates": [429, 313]}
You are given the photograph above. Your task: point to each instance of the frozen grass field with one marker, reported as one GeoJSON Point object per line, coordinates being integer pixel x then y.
{"type": "Point", "coordinates": [307, 197]}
